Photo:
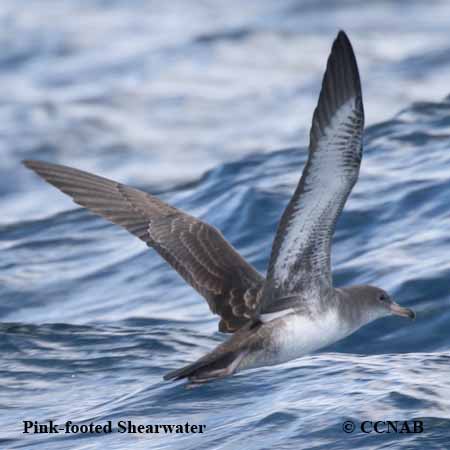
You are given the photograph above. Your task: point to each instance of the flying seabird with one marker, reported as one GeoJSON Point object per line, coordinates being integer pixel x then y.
{"type": "Point", "coordinates": [296, 309]}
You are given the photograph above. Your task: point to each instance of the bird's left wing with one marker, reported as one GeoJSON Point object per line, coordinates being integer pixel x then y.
{"type": "Point", "coordinates": [300, 258]}
{"type": "Point", "coordinates": [196, 250]}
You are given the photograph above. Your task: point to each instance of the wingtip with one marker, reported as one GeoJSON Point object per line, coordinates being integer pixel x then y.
{"type": "Point", "coordinates": [340, 83]}
{"type": "Point", "coordinates": [342, 68]}
{"type": "Point", "coordinates": [41, 167]}
{"type": "Point", "coordinates": [342, 36]}
{"type": "Point", "coordinates": [27, 163]}
{"type": "Point", "coordinates": [343, 41]}
{"type": "Point", "coordinates": [32, 164]}
{"type": "Point", "coordinates": [342, 44]}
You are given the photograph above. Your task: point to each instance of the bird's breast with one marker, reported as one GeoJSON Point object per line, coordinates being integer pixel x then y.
{"type": "Point", "coordinates": [298, 334]}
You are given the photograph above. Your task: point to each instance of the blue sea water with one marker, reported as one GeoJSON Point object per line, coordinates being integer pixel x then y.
{"type": "Point", "coordinates": [208, 104]}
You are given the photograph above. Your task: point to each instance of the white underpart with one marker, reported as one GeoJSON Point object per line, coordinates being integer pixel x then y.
{"type": "Point", "coordinates": [327, 183]}
{"type": "Point", "coordinates": [298, 335]}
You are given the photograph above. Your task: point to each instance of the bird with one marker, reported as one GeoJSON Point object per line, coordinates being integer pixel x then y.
{"type": "Point", "coordinates": [295, 309]}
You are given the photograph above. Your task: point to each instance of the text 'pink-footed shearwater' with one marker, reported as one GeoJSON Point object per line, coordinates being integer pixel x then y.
{"type": "Point", "coordinates": [295, 310]}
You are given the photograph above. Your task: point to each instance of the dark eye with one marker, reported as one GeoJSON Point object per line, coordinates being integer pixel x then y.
{"type": "Point", "coordinates": [383, 298]}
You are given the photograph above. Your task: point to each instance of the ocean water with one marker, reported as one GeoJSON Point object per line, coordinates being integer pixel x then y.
{"type": "Point", "coordinates": [208, 104]}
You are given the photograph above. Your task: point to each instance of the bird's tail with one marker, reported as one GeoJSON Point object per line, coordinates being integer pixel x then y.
{"type": "Point", "coordinates": [212, 366]}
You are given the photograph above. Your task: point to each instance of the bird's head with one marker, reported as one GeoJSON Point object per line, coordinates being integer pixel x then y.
{"type": "Point", "coordinates": [382, 304]}
{"type": "Point", "coordinates": [372, 303]}
{"type": "Point", "coordinates": [382, 299]}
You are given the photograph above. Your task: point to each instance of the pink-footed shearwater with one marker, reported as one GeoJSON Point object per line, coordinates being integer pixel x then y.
{"type": "Point", "coordinates": [295, 310]}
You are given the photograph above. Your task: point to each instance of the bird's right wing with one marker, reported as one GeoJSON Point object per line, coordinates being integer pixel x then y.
{"type": "Point", "coordinates": [196, 250]}
{"type": "Point", "coordinates": [300, 259]}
